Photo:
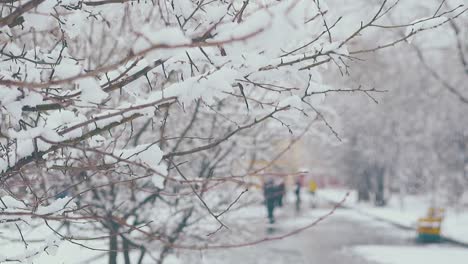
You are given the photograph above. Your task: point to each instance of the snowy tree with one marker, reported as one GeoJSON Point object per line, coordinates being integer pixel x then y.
{"type": "Point", "coordinates": [411, 132]}
{"type": "Point", "coordinates": [127, 127]}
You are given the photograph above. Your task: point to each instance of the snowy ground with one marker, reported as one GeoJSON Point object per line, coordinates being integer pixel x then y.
{"type": "Point", "coordinates": [329, 242]}
{"type": "Point", "coordinates": [346, 236]}
{"type": "Point", "coordinates": [413, 254]}
{"type": "Point", "coordinates": [455, 224]}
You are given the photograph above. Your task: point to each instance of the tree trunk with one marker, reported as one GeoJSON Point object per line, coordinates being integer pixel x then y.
{"type": "Point", "coordinates": [379, 195]}
{"type": "Point", "coordinates": [113, 242]}
{"type": "Point", "coordinates": [126, 250]}
{"type": "Point", "coordinates": [142, 255]}
{"type": "Point", "coordinates": [364, 187]}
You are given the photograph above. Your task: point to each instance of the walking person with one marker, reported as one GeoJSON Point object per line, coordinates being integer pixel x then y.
{"type": "Point", "coordinates": [281, 192]}
{"type": "Point", "coordinates": [312, 191]}
{"type": "Point", "coordinates": [297, 191]}
{"type": "Point", "coordinates": [269, 191]}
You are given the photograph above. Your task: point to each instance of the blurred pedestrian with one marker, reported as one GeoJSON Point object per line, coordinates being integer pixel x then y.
{"type": "Point", "coordinates": [281, 189]}
{"type": "Point", "coordinates": [297, 191]}
{"type": "Point", "coordinates": [269, 191]}
{"type": "Point", "coordinates": [312, 190]}
{"type": "Point", "coordinates": [312, 187]}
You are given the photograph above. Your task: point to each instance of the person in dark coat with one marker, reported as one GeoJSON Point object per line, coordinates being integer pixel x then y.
{"type": "Point", "coordinates": [281, 189]}
{"type": "Point", "coordinates": [269, 190]}
{"type": "Point", "coordinates": [297, 191]}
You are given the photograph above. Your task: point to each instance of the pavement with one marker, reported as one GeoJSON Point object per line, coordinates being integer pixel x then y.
{"type": "Point", "coordinates": [329, 242]}
{"type": "Point", "coordinates": [454, 225]}
{"type": "Point", "coordinates": [346, 236]}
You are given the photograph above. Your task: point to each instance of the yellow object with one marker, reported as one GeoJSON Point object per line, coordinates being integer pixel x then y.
{"type": "Point", "coordinates": [312, 186]}
{"type": "Point", "coordinates": [431, 224]}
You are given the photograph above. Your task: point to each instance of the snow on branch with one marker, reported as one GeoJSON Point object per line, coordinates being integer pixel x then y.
{"type": "Point", "coordinates": [132, 123]}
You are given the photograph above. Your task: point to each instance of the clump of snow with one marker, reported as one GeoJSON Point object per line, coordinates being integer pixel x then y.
{"type": "Point", "coordinates": [11, 202]}
{"type": "Point", "coordinates": [334, 47]}
{"type": "Point", "coordinates": [67, 68]}
{"type": "Point", "coordinates": [13, 101]}
{"type": "Point", "coordinates": [97, 141]}
{"type": "Point", "coordinates": [91, 91]}
{"type": "Point", "coordinates": [209, 86]}
{"type": "Point", "coordinates": [55, 207]}
{"type": "Point", "coordinates": [3, 165]}
{"type": "Point", "coordinates": [69, 2]}
{"type": "Point", "coordinates": [73, 24]}
{"type": "Point", "coordinates": [166, 36]}
{"type": "Point", "coordinates": [423, 24]}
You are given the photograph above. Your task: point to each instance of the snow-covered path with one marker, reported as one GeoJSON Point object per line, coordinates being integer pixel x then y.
{"type": "Point", "coordinates": [331, 241]}
{"type": "Point", "coordinates": [344, 237]}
